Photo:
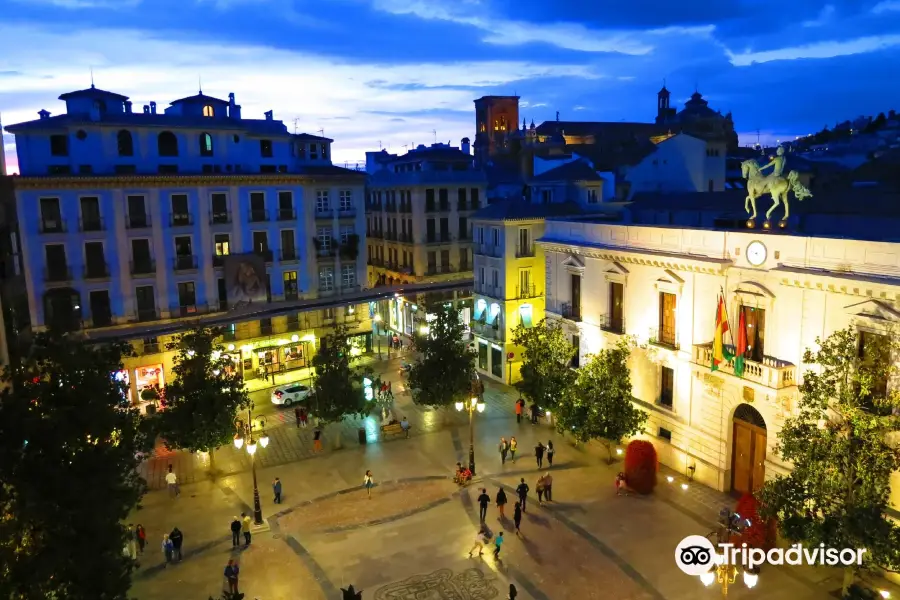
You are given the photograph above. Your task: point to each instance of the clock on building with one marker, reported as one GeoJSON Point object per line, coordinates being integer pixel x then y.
{"type": "Point", "coordinates": [756, 253]}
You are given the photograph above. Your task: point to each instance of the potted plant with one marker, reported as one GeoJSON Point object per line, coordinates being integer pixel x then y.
{"type": "Point", "coordinates": [151, 396]}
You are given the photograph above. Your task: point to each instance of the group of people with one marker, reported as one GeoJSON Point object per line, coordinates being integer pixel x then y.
{"type": "Point", "coordinates": [511, 446]}
{"type": "Point", "coordinates": [302, 416]}
{"type": "Point", "coordinates": [534, 411]}
{"type": "Point", "coordinates": [136, 540]}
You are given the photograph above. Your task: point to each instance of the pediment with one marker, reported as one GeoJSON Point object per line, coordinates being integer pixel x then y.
{"type": "Point", "coordinates": [617, 268]}
{"type": "Point", "coordinates": [873, 309]}
{"type": "Point", "coordinates": [671, 277]}
{"type": "Point", "coordinates": [573, 262]}
{"type": "Point", "coordinates": [753, 289]}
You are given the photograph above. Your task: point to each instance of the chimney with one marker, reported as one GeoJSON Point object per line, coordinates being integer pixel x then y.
{"type": "Point", "coordinates": [269, 115]}
{"type": "Point", "coordinates": [44, 114]}
{"type": "Point", "coordinates": [464, 146]}
{"type": "Point", "coordinates": [128, 106]}
{"type": "Point", "coordinates": [146, 109]}
{"type": "Point", "coordinates": [153, 108]}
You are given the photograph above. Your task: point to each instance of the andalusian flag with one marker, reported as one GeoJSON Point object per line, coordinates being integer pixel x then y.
{"type": "Point", "coordinates": [718, 354]}
{"type": "Point", "coordinates": [741, 347]}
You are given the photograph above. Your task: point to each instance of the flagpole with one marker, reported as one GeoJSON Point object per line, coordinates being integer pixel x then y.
{"type": "Point", "coordinates": [727, 320]}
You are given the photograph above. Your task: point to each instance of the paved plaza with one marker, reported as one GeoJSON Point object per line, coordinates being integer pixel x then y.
{"type": "Point", "coordinates": [410, 540]}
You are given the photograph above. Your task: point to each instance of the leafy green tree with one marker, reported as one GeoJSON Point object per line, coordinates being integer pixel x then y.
{"type": "Point", "coordinates": [337, 386]}
{"type": "Point", "coordinates": [444, 373]}
{"type": "Point", "coordinates": [601, 406]}
{"type": "Point", "coordinates": [70, 444]}
{"type": "Point", "coordinates": [204, 395]}
{"type": "Point", "coordinates": [839, 488]}
{"type": "Point", "coordinates": [546, 359]}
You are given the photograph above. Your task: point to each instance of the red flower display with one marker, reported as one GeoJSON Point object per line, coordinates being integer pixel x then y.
{"type": "Point", "coordinates": [641, 465]}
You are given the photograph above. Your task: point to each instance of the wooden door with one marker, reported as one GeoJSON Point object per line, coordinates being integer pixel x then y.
{"type": "Point", "coordinates": [748, 460]}
{"type": "Point", "coordinates": [759, 459]}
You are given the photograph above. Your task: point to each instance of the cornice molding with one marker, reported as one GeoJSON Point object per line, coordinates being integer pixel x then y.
{"type": "Point", "coordinates": [649, 258]}
{"type": "Point", "coordinates": [175, 180]}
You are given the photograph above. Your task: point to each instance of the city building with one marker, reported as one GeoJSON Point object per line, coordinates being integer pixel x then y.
{"type": "Point", "coordinates": [418, 211]}
{"type": "Point", "coordinates": [657, 268]}
{"type": "Point", "coordinates": [131, 217]}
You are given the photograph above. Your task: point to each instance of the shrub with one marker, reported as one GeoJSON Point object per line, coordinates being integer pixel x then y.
{"type": "Point", "coordinates": [641, 465]}
{"type": "Point", "coordinates": [761, 533]}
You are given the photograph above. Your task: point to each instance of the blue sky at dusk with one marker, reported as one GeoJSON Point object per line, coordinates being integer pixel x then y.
{"type": "Point", "coordinates": [392, 71]}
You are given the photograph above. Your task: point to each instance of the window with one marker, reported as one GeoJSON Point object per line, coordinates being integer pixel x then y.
{"type": "Point", "coordinates": [495, 279]}
{"type": "Point", "coordinates": [257, 206]}
{"type": "Point", "coordinates": [167, 144]}
{"type": "Point", "coordinates": [443, 199]}
{"type": "Point", "coordinates": [666, 334]}
{"type": "Point", "coordinates": [314, 151]}
{"type": "Point", "coordinates": [290, 285]}
{"type": "Point", "coordinates": [222, 295]}
{"type": "Point", "coordinates": [346, 197]}
{"type": "Point", "coordinates": [348, 276]}
{"type": "Point", "coordinates": [473, 195]}
{"type": "Point", "coordinates": [59, 145]}
{"type": "Point", "coordinates": [326, 279]}
{"type": "Point", "coordinates": [546, 196]}
{"type": "Point", "coordinates": [265, 148]}
{"type": "Point", "coordinates": [482, 356]}
{"type": "Point", "coordinates": [346, 232]}
{"type": "Point", "coordinates": [137, 212]}
{"type": "Point", "coordinates": [616, 307]}
{"type": "Point", "coordinates": [495, 236]}
{"type": "Point", "coordinates": [525, 283]}
{"type": "Point", "coordinates": [481, 275]}
{"type": "Point", "coordinates": [445, 261]}
{"type": "Point", "coordinates": [711, 186]}
{"type": "Point", "coordinates": [432, 262]}
{"type": "Point", "coordinates": [219, 205]}
{"type": "Point", "coordinates": [146, 302]}
{"type": "Point", "coordinates": [666, 387]}
{"type": "Point", "coordinates": [755, 321]}
{"type": "Point", "coordinates": [524, 248]}
{"type": "Point", "coordinates": [57, 266]}
{"type": "Point", "coordinates": [187, 297]}
{"type": "Point", "coordinates": [125, 143]}
{"type": "Point", "coordinates": [322, 203]}
{"type": "Point", "coordinates": [101, 313]}
{"type": "Point", "coordinates": [261, 242]}
{"type": "Point", "coordinates": [285, 206]}
{"type": "Point", "coordinates": [209, 111]}
{"type": "Point", "coordinates": [575, 291]}
{"type": "Point", "coordinates": [429, 231]}
{"type": "Point", "coordinates": [496, 362]}
{"type": "Point", "coordinates": [463, 259]}
{"type": "Point", "coordinates": [90, 214]}
{"type": "Point", "coordinates": [94, 260]}
{"type": "Point", "coordinates": [429, 200]}
{"type": "Point", "coordinates": [461, 199]}
{"type": "Point", "coordinates": [576, 357]}
{"type": "Point", "coordinates": [288, 246]}
{"type": "Point", "coordinates": [324, 237]}
{"type": "Point", "coordinates": [206, 148]}
{"type": "Point", "coordinates": [222, 248]}
{"type": "Point", "coordinates": [324, 148]}
{"type": "Point", "coordinates": [592, 196]}
{"type": "Point", "coordinates": [665, 434]}
{"type": "Point", "coordinates": [180, 213]}
{"type": "Point", "coordinates": [141, 259]}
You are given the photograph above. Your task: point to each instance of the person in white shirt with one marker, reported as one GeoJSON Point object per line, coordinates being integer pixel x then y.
{"type": "Point", "coordinates": [480, 541]}
{"type": "Point", "coordinates": [172, 481]}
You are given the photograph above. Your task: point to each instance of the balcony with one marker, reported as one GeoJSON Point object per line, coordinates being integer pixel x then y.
{"type": "Point", "coordinates": [184, 262]}
{"type": "Point", "coordinates": [58, 274]}
{"type": "Point", "coordinates": [432, 270]}
{"type": "Point", "coordinates": [488, 250]}
{"type": "Point", "coordinates": [218, 260]}
{"type": "Point", "coordinates": [664, 337]}
{"type": "Point", "coordinates": [373, 206]}
{"type": "Point", "coordinates": [406, 207]}
{"type": "Point", "coordinates": [390, 207]}
{"type": "Point", "coordinates": [288, 255]}
{"type": "Point", "coordinates": [566, 310]}
{"type": "Point", "coordinates": [54, 225]}
{"type": "Point", "coordinates": [150, 348]}
{"type": "Point", "coordinates": [465, 266]}
{"type": "Point", "coordinates": [439, 238]}
{"type": "Point", "coordinates": [490, 291]}
{"type": "Point", "coordinates": [190, 309]}
{"type": "Point", "coordinates": [143, 267]}
{"type": "Point", "coordinates": [181, 219]}
{"type": "Point", "coordinates": [137, 221]}
{"type": "Point", "coordinates": [377, 235]}
{"type": "Point", "coordinates": [220, 218]}
{"type": "Point", "coordinates": [147, 314]}
{"type": "Point", "coordinates": [266, 254]}
{"type": "Point", "coordinates": [613, 323]}
{"type": "Point", "coordinates": [91, 224]}
{"type": "Point", "coordinates": [430, 207]}
{"type": "Point", "coordinates": [286, 214]}
{"type": "Point", "coordinates": [406, 238]}
{"type": "Point", "coordinates": [376, 262]}
{"type": "Point", "coordinates": [771, 372]}
{"type": "Point", "coordinates": [98, 270]}
{"type": "Point", "coordinates": [291, 292]}
{"type": "Point", "coordinates": [407, 269]}
{"type": "Point", "coordinates": [324, 213]}
{"type": "Point", "coordinates": [257, 215]}
{"type": "Point", "coordinates": [326, 254]}
{"type": "Point", "coordinates": [527, 291]}
{"type": "Point", "coordinates": [391, 236]}
{"type": "Point", "coordinates": [525, 251]}
{"type": "Point", "coordinates": [489, 331]}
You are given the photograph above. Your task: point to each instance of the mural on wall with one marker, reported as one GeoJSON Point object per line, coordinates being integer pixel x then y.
{"type": "Point", "coordinates": [245, 279]}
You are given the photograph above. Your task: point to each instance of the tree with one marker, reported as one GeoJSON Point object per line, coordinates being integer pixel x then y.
{"type": "Point", "coordinates": [601, 406]}
{"type": "Point", "coordinates": [70, 443]}
{"type": "Point", "coordinates": [444, 373]}
{"type": "Point", "coordinates": [204, 396]}
{"type": "Point", "coordinates": [337, 389]}
{"type": "Point", "coordinates": [838, 490]}
{"type": "Point", "coordinates": [546, 357]}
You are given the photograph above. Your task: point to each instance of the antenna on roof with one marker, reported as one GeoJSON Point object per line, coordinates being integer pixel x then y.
{"type": "Point", "coordinates": [92, 77]}
{"type": "Point", "coordinates": [200, 84]}
{"type": "Point", "coordinates": [434, 133]}
{"type": "Point", "coordinates": [322, 132]}
{"type": "Point", "coordinates": [379, 145]}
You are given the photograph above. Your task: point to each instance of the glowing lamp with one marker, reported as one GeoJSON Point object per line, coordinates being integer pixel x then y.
{"type": "Point", "coordinates": [191, 353]}
{"type": "Point", "coordinates": [459, 406]}
{"type": "Point", "coordinates": [619, 451]}
{"type": "Point", "coordinates": [238, 441]}
{"type": "Point", "coordinates": [216, 372]}
{"type": "Point", "coordinates": [684, 486]}
{"type": "Point", "coordinates": [216, 355]}
{"type": "Point", "coordinates": [548, 414]}
{"type": "Point", "coordinates": [480, 407]}
{"type": "Point", "coordinates": [670, 479]}
{"type": "Point", "coordinates": [424, 330]}
{"type": "Point", "coordinates": [378, 318]}
{"type": "Point", "coordinates": [231, 347]}
{"type": "Point", "coordinates": [264, 440]}
{"type": "Point", "coordinates": [295, 338]}
{"type": "Point", "coordinates": [474, 401]}
{"type": "Point", "coordinates": [750, 579]}
{"type": "Point", "coordinates": [707, 579]}
{"type": "Point", "coordinates": [884, 593]}
{"type": "Point", "coordinates": [251, 448]}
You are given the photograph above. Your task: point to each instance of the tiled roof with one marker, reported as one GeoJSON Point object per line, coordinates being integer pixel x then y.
{"type": "Point", "coordinates": [511, 210]}
{"type": "Point", "coordinates": [93, 92]}
{"type": "Point", "coordinates": [198, 98]}
{"type": "Point", "coordinates": [161, 120]}
{"type": "Point", "coordinates": [308, 137]}
{"type": "Point", "coordinates": [577, 170]}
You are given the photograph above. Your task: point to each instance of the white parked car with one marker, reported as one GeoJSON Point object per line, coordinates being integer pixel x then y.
{"type": "Point", "coordinates": [285, 395]}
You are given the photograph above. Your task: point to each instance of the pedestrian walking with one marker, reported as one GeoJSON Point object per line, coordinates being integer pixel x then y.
{"type": "Point", "coordinates": [131, 543]}
{"type": "Point", "coordinates": [404, 425]}
{"type": "Point", "coordinates": [513, 592]}
{"type": "Point", "coordinates": [141, 538]}
{"type": "Point", "coordinates": [539, 454]}
{"type": "Point", "coordinates": [390, 391]}
{"type": "Point", "coordinates": [550, 452]}
{"type": "Point", "coordinates": [534, 413]}
{"type": "Point", "coordinates": [231, 576]}
{"type": "Point", "coordinates": [498, 541]}
{"type": "Point", "coordinates": [317, 439]}
{"type": "Point", "coordinates": [503, 447]}
{"type": "Point", "coordinates": [522, 493]}
{"type": "Point", "coordinates": [480, 541]}
{"type": "Point", "coordinates": [483, 501]}
{"type": "Point", "coordinates": [520, 404]}
{"type": "Point", "coordinates": [369, 483]}
{"type": "Point", "coordinates": [501, 503]}
{"type": "Point", "coordinates": [167, 548]}
{"type": "Point", "coordinates": [276, 489]}
{"type": "Point", "coordinates": [298, 414]}
{"type": "Point", "coordinates": [540, 489]}
{"type": "Point", "coordinates": [245, 528]}
{"type": "Point", "coordinates": [513, 446]}
{"type": "Point", "coordinates": [304, 417]}
{"type": "Point", "coordinates": [517, 516]}
{"type": "Point", "coordinates": [177, 540]}
{"type": "Point", "coordinates": [235, 532]}
{"type": "Point", "coordinates": [548, 487]}
{"type": "Point", "coordinates": [172, 483]}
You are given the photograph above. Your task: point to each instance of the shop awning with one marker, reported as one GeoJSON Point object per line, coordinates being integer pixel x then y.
{"type": "Point", "coordinates": [525, 315]}
{"type": "Point", "coordinates": [480, 306]}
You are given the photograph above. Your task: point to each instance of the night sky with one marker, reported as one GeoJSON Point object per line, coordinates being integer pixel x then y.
{"type": "Point", "coordinates": [393, 71]}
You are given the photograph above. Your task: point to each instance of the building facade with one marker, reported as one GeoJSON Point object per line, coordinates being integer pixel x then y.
{"type": "Point", "coordinates": [662, 284]}
{"type": "Point", "coordinates": [418, 220]}
{"type": "Point", "coordinates": [135, 217]}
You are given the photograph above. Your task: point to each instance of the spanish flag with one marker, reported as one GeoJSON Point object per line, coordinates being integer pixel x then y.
{"type": "Point", "coordinates": [718, 354]}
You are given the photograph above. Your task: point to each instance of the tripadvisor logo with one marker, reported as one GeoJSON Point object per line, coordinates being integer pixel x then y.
{"type": "Point", "coordinates": [696, 555]}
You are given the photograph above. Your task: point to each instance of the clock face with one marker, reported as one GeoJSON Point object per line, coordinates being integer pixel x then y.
{"type": "Point", "coordinates": [756, 253]}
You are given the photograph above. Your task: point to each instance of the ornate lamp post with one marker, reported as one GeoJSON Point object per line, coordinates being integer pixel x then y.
{"type": "Point", "coordinates": [244, 431]}
{"type": "Point", "coordinates": [471, 406]}
{"type": "Point", "coordinates": [726, 575]}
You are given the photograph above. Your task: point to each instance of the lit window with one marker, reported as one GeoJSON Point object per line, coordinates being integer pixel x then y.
{"type": "Point", "coordinates": [209, 111]}
{"type": "Point", "coordinates": [206, 147]}
{"type": "Point", "coordinates": [326, 279]}
{"type": "Point", "coordinates": [324, 239]}
{"type": "Point", "coordinates": [348, 275]}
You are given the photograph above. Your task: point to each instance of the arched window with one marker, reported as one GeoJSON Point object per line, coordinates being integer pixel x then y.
{"type": "Point", "coordinates": [167, 144]}
{"type": "Point", "coordinates": [206, 148]}
{"type": "Point", "coordinates": [125, 143]}
{"type": "Point", "coordinates": [209, 111]}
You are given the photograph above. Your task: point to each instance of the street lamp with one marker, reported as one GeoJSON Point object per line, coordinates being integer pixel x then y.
{"type": "Point", "coordinates": [377, 320]}
{"type": "Point", "coordinates": [726, 575]}
{"type": "Point", "coordinates": [245, 431]}
{"type": "Point", "coordinates": [471, 406]}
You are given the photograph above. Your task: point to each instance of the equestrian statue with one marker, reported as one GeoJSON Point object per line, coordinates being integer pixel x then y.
{"type": "Point", "coordinates": [774, 184]}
